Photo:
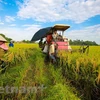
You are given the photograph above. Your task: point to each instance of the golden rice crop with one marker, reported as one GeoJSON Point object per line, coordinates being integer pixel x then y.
{"type": "Point", "coordinates": [81, 70]}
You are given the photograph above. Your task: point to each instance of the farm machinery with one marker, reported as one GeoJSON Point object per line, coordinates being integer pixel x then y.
{"type": "Point", "coordinates": [61, 42]}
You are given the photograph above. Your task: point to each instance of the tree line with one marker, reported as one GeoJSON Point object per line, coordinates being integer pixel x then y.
{"type": "Point", "coordinates": [71, 42]}
{"type": "Point", "coordinates": [81, 42]}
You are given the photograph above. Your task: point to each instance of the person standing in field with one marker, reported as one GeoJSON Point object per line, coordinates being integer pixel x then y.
{"type": "Point", "coordinates": [47, 43]}
{"type": "Point", "coordinates": [49, 38]}
{"type": "Point", "coordinates": [11, 44]}
{"type": "Point", "coordinates": [3, 49]}
{"type": "Point", "coordinates": [52, 52]}
{"type": "Point", "coordinates": [3, 45]}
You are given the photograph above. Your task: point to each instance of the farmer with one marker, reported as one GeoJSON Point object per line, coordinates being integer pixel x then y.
{"type": "Point", "coordinates": [11, 44]}
{"type": "Point", "coordinates": [49, 38]}
{"type": "Point", "coordinates": [65, 39]}
{"type": "Point", "coordinates": [52, 52]}
{"type": "Point", "coordinates": [47, 43]}
{"type": "Point", "coordinates": [55, 35]}
{"type": "Point", "coordinates": [3, 49]}
{"type": "Point", "coordinates": [45, 47]}
{"type": "Point", "coordinates": [3, 46]}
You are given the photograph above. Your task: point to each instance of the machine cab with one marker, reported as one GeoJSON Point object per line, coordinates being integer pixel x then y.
{"type": "Point", "coordinates": [61, 41]}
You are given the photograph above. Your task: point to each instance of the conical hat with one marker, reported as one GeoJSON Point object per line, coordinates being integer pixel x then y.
{"type": "Point", "coordinates": [2, 39]}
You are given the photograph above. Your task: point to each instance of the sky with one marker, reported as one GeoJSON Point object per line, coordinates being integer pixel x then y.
{"type": "Point", "coordinates": [20, 19]}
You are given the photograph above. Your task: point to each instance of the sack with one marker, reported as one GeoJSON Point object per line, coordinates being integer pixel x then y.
{"type": "Point", "coordinates": [45, 50]}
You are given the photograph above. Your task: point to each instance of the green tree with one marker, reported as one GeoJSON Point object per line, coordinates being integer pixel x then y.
{"type": "Point", "coordinates": [81, 42]}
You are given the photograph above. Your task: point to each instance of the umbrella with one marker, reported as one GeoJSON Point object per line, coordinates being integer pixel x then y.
{"type": "Point", "coordinates": [41, 33]}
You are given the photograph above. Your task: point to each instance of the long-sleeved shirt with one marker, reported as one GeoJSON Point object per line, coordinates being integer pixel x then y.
{"type": "Point", "coordinates": [52, 49]}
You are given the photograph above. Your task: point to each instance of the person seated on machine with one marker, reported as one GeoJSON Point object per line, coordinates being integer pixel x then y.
{"type": "Point", "coordinates": [55, 35]}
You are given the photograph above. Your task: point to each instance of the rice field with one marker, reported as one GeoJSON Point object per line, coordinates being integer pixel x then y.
{"type": "Point", "coordinates": [76, 76]}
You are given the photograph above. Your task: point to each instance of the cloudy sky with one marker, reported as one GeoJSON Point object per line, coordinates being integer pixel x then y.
{"type": "Point", "coordinates": [20, 19]}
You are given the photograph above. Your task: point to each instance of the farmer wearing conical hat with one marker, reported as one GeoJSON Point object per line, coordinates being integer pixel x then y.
{"type": "Point", "coordinates": [3, 49]}
{"type": "Point", "coordinates": [3, 46]}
